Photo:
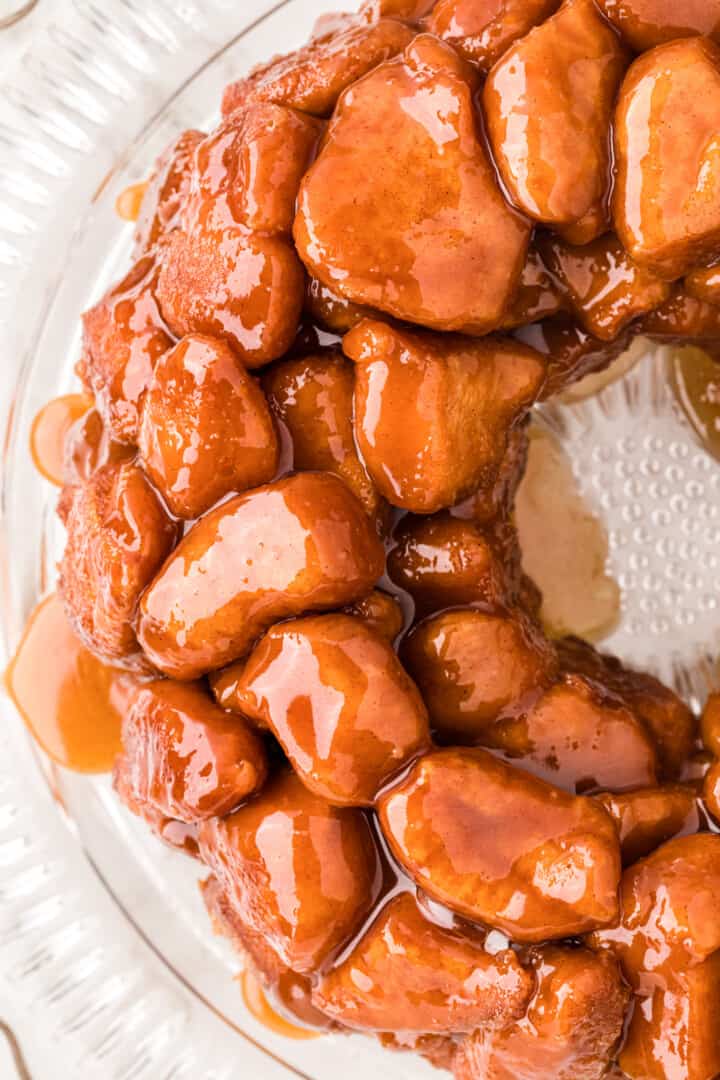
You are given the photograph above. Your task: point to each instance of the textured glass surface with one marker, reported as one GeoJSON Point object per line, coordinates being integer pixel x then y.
{"type": "Point", "coordinates": [656, 488]}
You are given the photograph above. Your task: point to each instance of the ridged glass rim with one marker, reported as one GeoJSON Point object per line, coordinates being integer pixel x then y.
{"type": "Point", "coordinates": [81, 69]}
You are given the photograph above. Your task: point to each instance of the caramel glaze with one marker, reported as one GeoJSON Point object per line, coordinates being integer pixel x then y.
{"type": "Point", "coordinates": [647, 23]}
{"type": "Point", "coordinates": [293, 993]}
{"type": "Point", "coordinates": [71, 702]}
{"type": "Point", "coordinates": [482, 30]}
{"type": "Point", "coordinates": [664, 204]}
{"type": "Point", "coordinates": [288, 994]}
{"type": "Point", "coordinates": [668, 943]}
{"type": "Point", "coordinates": [457, 986]}
{"type": "Point", "coordinates": [88, 446]}
{"type": "Point", "coordinates": [193, 618]}
{"type": "Point", "coordinates": [571, 1027]}
{"type": "Point", "coordinates": [647, 818]}
{"type": "Point", "coordinates": [548, 103]}
{"type": "Point", "coordinates": [185, 756]}
{"type": "Point", "coordinates": [502, 848]}
{"type": "Point", "coordinates": [124, 334]}
{"type": "Point", "coordinates": [552, 858]}
{"type": "Point", "coordinates": [300, 875]}
{"type": "Point", "coordinates": [343, 708]}
{"type": "Point", "coordinates": [206, 427]}
{"type": "Point", "coordinates": [695, 378]}
{"type": "Point", "coordinates": [49, 433]}
{"type": "Point", "coordinates": [453, 248]}
{"type": "Point", "coordinates": [394, 882]}
{"type": "Point", "coordinates": [257, 1004]}
{"type": "Point", "coordinates": [129, 202]}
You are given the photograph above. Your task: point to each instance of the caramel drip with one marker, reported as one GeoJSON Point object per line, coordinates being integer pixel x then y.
{"type": "Point", "coordinates": [71, 702]}
{"type": "Point", "coordinates": [49, 431]}
{"type": "Point", "coordinates": [260, 1008]}
{"type": "Point", "coordinates": [129, 201]}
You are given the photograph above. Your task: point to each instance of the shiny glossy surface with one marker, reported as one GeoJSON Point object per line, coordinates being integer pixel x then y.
{"type": "Point", "coordinates": [404, 9]}
{"type": "Point", "coordinates": [704, 284]}
{"type": "Point", "coordinates": [684, 319]}
{"type": "Point", "coordinates": [402, 211]}
{"type": "Point", "coordinates": [572, 353]}
{"type": "Point", "coordinates": [711, 739]}
{"type": "Point", "coordinates": [259, 1007]}
{"type": "Point", "coordinates": [668, 943]}
{"type": "Point", "coordinates": [179, 835]}
{"type": "Point", "coordinates": [195, 272]}
{"type": "Point", "coordinates": [408, 974]}
{"type": "Point", "coordinates": [296, 870]}
{"type": "Point", "coordinates": [444, 561]}
{"type": "Point", "coordinates": [646, 23]}
{"type": "Point", "coordinates": [246, 172]}
{"type": "Point", "coordinates": [219, 209]}
{"type": "Point", "coordinates": [300, 544]}
{"type": "Point", "coordinates": [313, 79]}
{"type": "Point", "coordinates": [49, 432]}
{"type": "Point", "coordinates": [72, 704]}
{"type": "Point", "coordinates": [333, 693]}
{"type": "Point", "coordinates": [711, 791]}
{"type": "Point", "coordinates": [696, 380]}
{"type": "Point", "coordinates": [123, 337]}
{"type": "Point", "coordinates": [579, 740]}
{"type": "Point", "coordinates": [313, 396]}
{"type": "Point", "coordinates": [482, 30]}
{"type": "Point", "coordinates": [290, 992]}
{"type": "Point", "coordinates": [537, 297]}
{"type": "Point", "coordinates": [118, 537]}
{"type": "Point", "coordinates": [711, 724]}
{"type": "Point", "coordinates": [186, 757]}
{"type": "Point", "coordinates": [163, 195]}
{"type": "Point", "coordinates": [87, 447]}
{"type": "Point", "coordinates": [381, 612]}
{"type": "Point", "coordinates": [669, 721]}
{"type": "Point", "coordinates": [206, 429]}
{"type": "Point", "coordinates": [129, 201]}
{"type": "Point", "coordinates": [665, 204]}
{"type": "Point", "coordinates": [432, 416]}
{"type": "Point", "coordinates": [604, 288]}
{"type": "Point", "coordinates": [502, 848]}
{"type": "Point", "coordinates": [651, 816]}
{"type": "Point", "coordinates": [471, 666]}
{"type": "Point", "coordinates": [674, 1032]}
{"type": "Point", "coordinates": [223, 272]}
{"type": "Point", "coordinates": [492, 502]}
{"type": "Point", "coordinates": [571, 1028]}
{"type": "Point", "coordinates": [331, 310]}
{"type": "Point", "coordinates": [548, 104]}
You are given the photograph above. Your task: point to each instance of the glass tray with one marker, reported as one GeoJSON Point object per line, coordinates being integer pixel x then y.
{"type": "Point", "coordinates": [103, 935]}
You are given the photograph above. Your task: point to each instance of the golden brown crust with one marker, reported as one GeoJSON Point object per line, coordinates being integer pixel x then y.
{"type": "Point", "coordinates": [404, 791]}
{"type": "Point", "coordinates": [118, 535]}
